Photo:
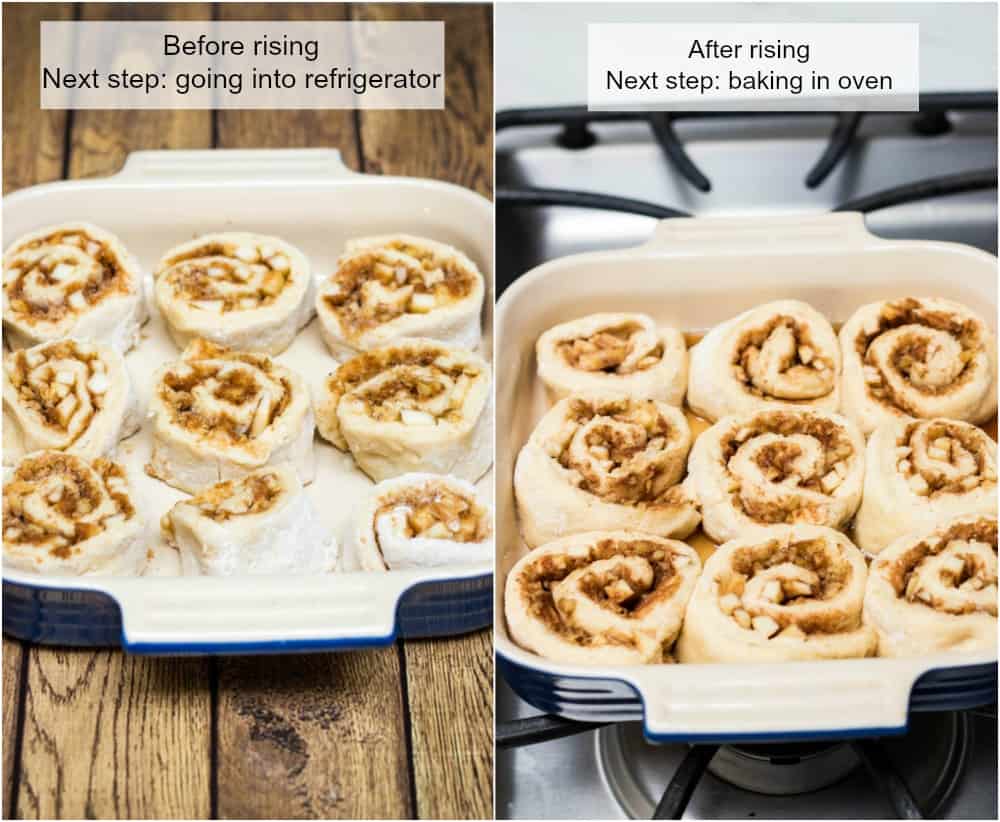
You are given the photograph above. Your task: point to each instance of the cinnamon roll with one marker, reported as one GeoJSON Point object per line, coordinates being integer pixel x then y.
{"type": "Point", "coordinates": [396, 287]}
{"type": "Point", "coordinates": [919, 358]}
{"type": "Point", "coordinates": [604, 462]}
{"type": "Point", "coordinates": [262, 523]}
{"type": "Point", "coordinates": [414, 406]}
{"type": "Point", "coordinates": [624, 353]}
{"type": "Point", "coordinates": [67, 516]}
{"type": "Point", "coordinates": [68, 396]}
{"type": "Point", "coordinates": [71, 280]}
{"type": "Point", "coordinates": [244, 291]}
{"type": "Point", "coordinates": [220, 414]}
{"type": "Point", "coordinates": [920, 472]}
{"type": "Point", "coordinates": [776, 355]}
{"type": "Point", "coordinates": [772, 467]}
{"type": "Point", "coordinates": [935, 589]}
{"type": "Point", "coordinates": [601, 598]}
{"type": "Point", "coordinates": [777, 594]}
{"type": "Point", "coordinates": [421, 521]}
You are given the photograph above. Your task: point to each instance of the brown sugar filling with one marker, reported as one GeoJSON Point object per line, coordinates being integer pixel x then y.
{"type": "Point", "coordinates": [806, 355]}
{"type": "Point", "coordinates": [76, 499]}
{"type": "Point", "coordinates": [110, 280]}
{"type": "Point", "coordinates": [444, 280]}
{"type": "Point", "coordinates": [438, 512]}
{"type": "Point", "coordinates": [962, 447]}
{"type": "Point", "coordinates": [258, 283]}
{"type": "Point", "coordinates": [913, 349]}
{"type": "Point", "coordinates": [255, 494]}
{"type": "Point", "coordinates": [606, 350]}
{"type": "Point", "coordinates": [536, 579]}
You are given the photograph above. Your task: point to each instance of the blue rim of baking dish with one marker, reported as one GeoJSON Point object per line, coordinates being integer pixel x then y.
{"type": "Point", "coordinates": [81, 617]}
{"type": "Point", "coordinates": [609, 699]}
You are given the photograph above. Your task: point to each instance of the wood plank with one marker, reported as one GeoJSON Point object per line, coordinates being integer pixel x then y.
{"type": "Point", "coordinates": [449, 681]}
{"type": "Point", "coordinates": [108, 735]}
{"type": "Point", "coordinates": [33, 144]}
{"type": "Point", "coordinates": [312, 736]}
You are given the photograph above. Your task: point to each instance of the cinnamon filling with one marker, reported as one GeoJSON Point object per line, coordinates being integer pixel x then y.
{"type": "Point", "coordinates": [781, 359]}
{"type": "Point", "coordinates": [942, 457]}
{"type": "Point", "coordinates": [438, 512]}
{"type": "Point", "coordinates": [255, 494]}
{"type": "Point", "coordinates": [607, 351]}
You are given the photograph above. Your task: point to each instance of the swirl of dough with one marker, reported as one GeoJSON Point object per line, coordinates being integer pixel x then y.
{"type": "Point", "coordinates": [67, 516]}
{"type": "Point", "coordinates": [221, 414]}
{"type": "Point", "coordinates": [601, 598]}
{"type": "Point", "coordinates": [71, 280]}
{"type": "Point", "coordinates": [414, 406]}
{"type": "Point", "coordinates": [920, 358]}
{"type": "Point", "coordinates": [422, 521]}
{"type": "Point", "coordinates": [262, 523]}
{"type": "Point", "coordinates": [787, 592]}
{"type": "Point", "coordinates": [782, 466]}
{"type": "Point", "coordinates": [920, 472]}
{"type": "Point", "coordinates": [244, 291]}
{"type": "Point", "coordinates": [624, 353]}
{"type": "Point", "coordinates": [68, 396]}
{"type": "Point", "coordinates": [777, 355]}
{"type": "Point", "coordinates": [605, 462]}
{"type": "Point", "coordinates": [387, 289]}
{"type": "Point", "coordinates": [935, 589]}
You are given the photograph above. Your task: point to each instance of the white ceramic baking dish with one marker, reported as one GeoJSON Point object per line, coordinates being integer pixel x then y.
{"type": "Point", "coordinates": [692, 274]}
{"type": "Point", "coordinates": [311, 199]}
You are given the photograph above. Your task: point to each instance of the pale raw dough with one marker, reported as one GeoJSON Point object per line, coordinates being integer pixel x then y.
{"type": "Point", "coordinates": [935, 589]}
{"type": "Point", "coordinates": [779, 594]}
{"type": "Point", "coordinates": [642, 584]}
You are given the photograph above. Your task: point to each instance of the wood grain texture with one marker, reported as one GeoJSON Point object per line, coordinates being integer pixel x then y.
{"type": "Point", "coordinates": [111, 736]}
{"type": "Point", "coordinates": [450, 692]}
{"type": "Point", "coordinates": [312, 736]}
{"type": "Point", "coordinates": [456, 143]}
{"type": "Point", "coordinates": [13, 661]}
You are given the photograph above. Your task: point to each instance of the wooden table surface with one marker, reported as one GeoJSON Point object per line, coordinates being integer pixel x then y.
{"type": "Point", "coordinates": [402, 731]}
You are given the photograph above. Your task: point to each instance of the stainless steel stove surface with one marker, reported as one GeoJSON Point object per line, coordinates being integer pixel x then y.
{"type": "Point", "coordinates": [754, 165]}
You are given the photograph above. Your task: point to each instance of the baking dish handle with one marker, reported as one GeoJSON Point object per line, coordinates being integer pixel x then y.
{"type": "Point", "coordinates": [306, 164]}
{"type": "Point", "coordinates": [757, 234]}
{"type": "Point", "coordinates": [683, 702]}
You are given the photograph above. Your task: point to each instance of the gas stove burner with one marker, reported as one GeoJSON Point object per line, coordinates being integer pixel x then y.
{"type": "Point", "coordinates": [780, 770]}
{"type": "Point", "coordinates": [915, 773]}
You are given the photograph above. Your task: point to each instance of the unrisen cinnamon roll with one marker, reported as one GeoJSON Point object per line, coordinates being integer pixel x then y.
{"type": "Point", "coordinates": [919, 358]}
{"type": "Point", "coordinates": [67, 516]}
{"type": "Point", "coordinates": [66, 396]}
{"type": "Point", "coordinates": [774, 467]}
{"type": "Point", "coordinates": [396, 287]}
{"type": "Point", "coordinates": [605, 462]}
{"type": "Point", "coordinates": [777, 594]}
{"type": "Point", "coordinates": [71, 280]}
{"type": "Point", "coordinates": [776, 355]}
{"type": "Point", "coordinates": [601, 598]}
{"type": "Point", "coordinates": [414, 406]}
{"type": "Point", "coordinates": [918, 473]}
{"type": "Point", "coordinates": [421, 521]}
{"type": "Point", "coordinates": [262, 523]}
{"type": "Point", "coordinates": [936, 589]}
{"type": "Point", "coordinates": [626, 353]}
{"type": "Point", "coordinates": [241, 290]}
{"type": "Point", "coordinates": [220, 414]}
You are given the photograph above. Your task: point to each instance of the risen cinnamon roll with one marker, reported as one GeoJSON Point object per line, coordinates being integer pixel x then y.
{"type": "Point", "coordinates": [601, 598]}
{"type": "Point", "coordinates": [777, 355]}
{"type": "Point", "coordinates": [777, 467]}
{"type": "Point", "coordinates": [918, 473]}
{"type": "Point", "coordinates": [624, 353]}
{"type": "Point", "coordinates": [245, 291]}
{"type": "Point", "coordinates": [68, 396]}
{"type": "Point", "coordinates": [605, 462]}
{"type": "Point", "coordinates": [919, 358]}
{"type": "Point", "coordinates": [935, 589]}
{"type": "Point", "coordinates": [67, 516]}
{"type": "Point", "coordinates": [71, 280]}
{"type": "Point", "coordinates": [414, 406]}
{"type": "Point", "coordinates": [421, 521]}
{"type": "Point", "coordinates": [262, 523]}
{"type": "Point", "coordinates": [777, 594]}
{"type": "Point", "coordinates": [397, 287]}
{"type": "Point", "coordinates": [220, 414]}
